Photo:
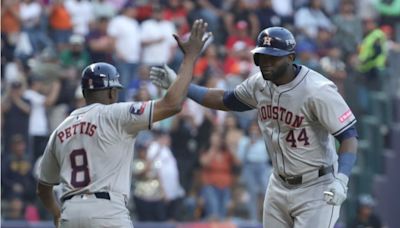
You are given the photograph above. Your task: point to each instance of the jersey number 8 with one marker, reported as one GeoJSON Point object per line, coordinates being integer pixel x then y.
{"type": "Point", "coordinates": [80, 171]}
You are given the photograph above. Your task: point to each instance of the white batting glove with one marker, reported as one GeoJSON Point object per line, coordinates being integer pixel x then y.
{"type": "Point", "coordinates": [337, 190]}
{"type": "Point", "coordinates": [162, 77]}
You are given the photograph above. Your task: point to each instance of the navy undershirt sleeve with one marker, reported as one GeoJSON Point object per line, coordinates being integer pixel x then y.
{"type": "Point", "coordinates": [348, 133]}
{"type": "Point", "coordinates": [233, 104]}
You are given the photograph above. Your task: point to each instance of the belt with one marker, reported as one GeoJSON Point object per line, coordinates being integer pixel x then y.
{"type": "Point", "coordinates": [98, 195]}
{"type": "Point", "coordinates": [296, 180]}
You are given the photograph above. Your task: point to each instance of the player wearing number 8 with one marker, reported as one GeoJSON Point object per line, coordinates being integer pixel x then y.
{"type": "Point", "coordinates": [90, 153]}
{"type": "Point", "coordinates": [300, 113]}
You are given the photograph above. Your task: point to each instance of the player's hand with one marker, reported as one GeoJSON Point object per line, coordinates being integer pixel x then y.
{"type": "Point", "coordinates": [198, 37]}
{"type": "Point", "coordinates": [337, 190]}
{"type": "Point", "coordinates": [162, 77]}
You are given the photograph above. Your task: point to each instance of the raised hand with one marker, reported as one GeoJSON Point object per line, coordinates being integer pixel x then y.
{"type": "Point", "coordinates": [198, 37]}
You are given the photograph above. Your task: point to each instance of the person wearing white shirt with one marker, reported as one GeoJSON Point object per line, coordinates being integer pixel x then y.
{"type": "Point", "coordinates": [124, 30]}
{"type": "Point", "coordinates": [165, 163]}
{"type": "Point", "coordinates": [309, 19]}
{"type": "Point", "coordinates": [157, 40]}
{"type": "Point", "coordinates": [81, 15]}
{"type": "Point", "coordinates": [38, 121]}
{"type": "Point", "coordinates": [30, 13]}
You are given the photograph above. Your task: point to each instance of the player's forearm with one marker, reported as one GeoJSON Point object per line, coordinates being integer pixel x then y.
{"type": "Point", "coordinates": [347, 155]}
{"type": "Point", "coordinates": [46, 195]}
{"type": "Point", "coordinates": [176, 94]}
{"type": "Point", "coordinates": [210, 98]}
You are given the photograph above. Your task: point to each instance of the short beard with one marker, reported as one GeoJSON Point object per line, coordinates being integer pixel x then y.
{"type": "Point", "coordinates": [278, 72]}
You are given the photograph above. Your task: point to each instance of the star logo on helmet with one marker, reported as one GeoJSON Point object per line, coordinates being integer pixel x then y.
{"type": "Point", "coordinates": [267, 40]}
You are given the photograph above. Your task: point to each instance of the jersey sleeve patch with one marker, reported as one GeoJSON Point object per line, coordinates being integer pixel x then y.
{"type": "Point", "coordinates": [137, 108]}
{"type": "Point", "coordinates": [345, 116]}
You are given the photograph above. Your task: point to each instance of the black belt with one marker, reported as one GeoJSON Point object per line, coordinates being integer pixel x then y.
{"type": "Point", "coordinates": [99, 195]}
{"type": "Point", "coordinates": [296, 180]}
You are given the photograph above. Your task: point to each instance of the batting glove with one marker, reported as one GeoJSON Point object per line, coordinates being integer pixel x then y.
{"type": "Point", "coordinates": [337, 190]}
{"type": "Point", "coordinates": [162, 77]}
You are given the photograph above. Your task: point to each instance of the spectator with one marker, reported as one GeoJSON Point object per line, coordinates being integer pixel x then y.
{"type": "Point", "coordinates": [81, 12]}
{"type": "Point", "coordinates": [60, 24]}
{"type": "Point", "coordinates": [47, 68]}
{"type": "Point", "coordinates": [242, 10]}
{"type": "Point", "coordinates": [238, 64]}
{"type": "Point", "coordinates": [389, 13]}
{"type": "Point", "coordinates": [334, 68]}
{"type": "Point", "coordinates": [238, 209]}
{"type": "Point", "coordinates": [10, 23]}
{"type": "Point", "coordinates": [158, 44]}
{"type": "Point", "coordinates": [232, 132]}
{"type": "Point", "coordinates": [217, 177]}
{"type": "Point", "coordinates": [39, 130]}
{"type": "Point", "coordinates": [267, 15]}
{"type": "Point", "coordinates": [124, 30]}
{"type": "Point", "coordinates": [256, 169]}
{"type": "Point", "coordinates": [308, 19]}
{"type": "Point", "coordinates": [348, 32]}
{"type": "Point", "coordinates": [14, 209]}
{"type": "Point", "coordinates": [208, 65]}
{"type": "Point", "coordinates": [184, 147]}
{"type": "Point", "coordinates": [103, 9]}
{"type": "Point", "coordinates": [306, 54]}
{"type": "Point", "coordinates": [75, 57]}
{"type": "Point", "coordinates": [373, 54]}
{"type": "Point", "coordinates": [30, 16]}
{"type": "Point", "coordinates": [16, 175]}
{"type": "Point", "coordinates": [160, 154]}
{"type": "Point", "coordinates": [15, 111]}
{"type": "Point", "coordinates": [148, 194]}
{"type": "Point", "coordinates": [366, 217]}
{"type": "Point", "coordinates": [241, 33]}
{"type": "Point", "coordinates": [100, 44]}
{"type": "Point", "coordinates": [176, 12]}
{"type": "Point", "coordinates": [284, 8]}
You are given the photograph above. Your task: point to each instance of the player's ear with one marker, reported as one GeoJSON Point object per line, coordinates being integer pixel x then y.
{"type": "Point", "coordinates": [292, 57]}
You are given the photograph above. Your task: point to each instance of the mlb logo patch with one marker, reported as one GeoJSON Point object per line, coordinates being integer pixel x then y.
{"type": "Point", "coordinates": [345, 116]}
{"type": "Point", "coordinates": [137, 108]}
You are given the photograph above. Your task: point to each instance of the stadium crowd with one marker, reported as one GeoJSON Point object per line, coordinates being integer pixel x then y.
{"type": "Point", "coordinates": [201, 164]}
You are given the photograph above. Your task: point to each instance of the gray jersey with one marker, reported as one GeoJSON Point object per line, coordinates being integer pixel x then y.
{"type": "Point", "coordinates": [298, 119]}
{"type": "Point", "coordinates": [92, 149]}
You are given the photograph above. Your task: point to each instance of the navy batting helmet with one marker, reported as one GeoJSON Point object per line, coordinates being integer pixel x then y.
{"type": "Point", "coordinates": [98, 76]}
{"type": "Point", "coordinates": [275, 41]}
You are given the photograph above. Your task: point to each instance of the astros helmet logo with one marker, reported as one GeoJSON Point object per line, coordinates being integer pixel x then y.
{"type": "Point", "coordinates": [267, 40]}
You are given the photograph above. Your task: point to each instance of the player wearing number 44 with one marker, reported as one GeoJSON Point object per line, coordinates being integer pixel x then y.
{"type": "Point", "coordinates": [90, 153]}
{"type": "Point", "coordinates": [300, 113]}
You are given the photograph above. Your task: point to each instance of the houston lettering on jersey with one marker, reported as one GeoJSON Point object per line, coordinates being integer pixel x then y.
{"type": "Point", "coordinates": [79, 128]}
{"type": "Point", "coordinates": [280, 113]}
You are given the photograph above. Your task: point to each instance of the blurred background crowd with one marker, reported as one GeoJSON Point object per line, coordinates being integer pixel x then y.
{"type": "Point", "coordinates": [201, 165]}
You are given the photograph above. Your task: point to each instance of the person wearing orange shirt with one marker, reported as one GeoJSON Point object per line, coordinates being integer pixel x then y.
{"type": "Point", "coordinates": [60, 23]}
{"type": "Point", "coordinates": [217, 177]}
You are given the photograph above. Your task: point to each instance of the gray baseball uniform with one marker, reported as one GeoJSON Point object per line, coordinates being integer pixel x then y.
{"type": "Point", "coordinates": [297, 121]}
{"type": "Point", "coordinates": [90, 155]}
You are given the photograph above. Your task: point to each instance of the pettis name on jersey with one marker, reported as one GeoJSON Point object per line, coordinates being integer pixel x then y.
{"type": "Point", "coordinates": [79, 128]}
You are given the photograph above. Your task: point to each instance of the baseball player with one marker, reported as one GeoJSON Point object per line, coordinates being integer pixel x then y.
{"type": "Point", "coordinates": [90, 153]}
{"type": "Point", "coordinates": [300, 113]}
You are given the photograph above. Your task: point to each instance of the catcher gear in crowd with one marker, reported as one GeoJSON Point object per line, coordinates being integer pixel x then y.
{"type": "Point", "coordinates": [100, 75]}
{"type": "Point", "coordinates": [275, 41]}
